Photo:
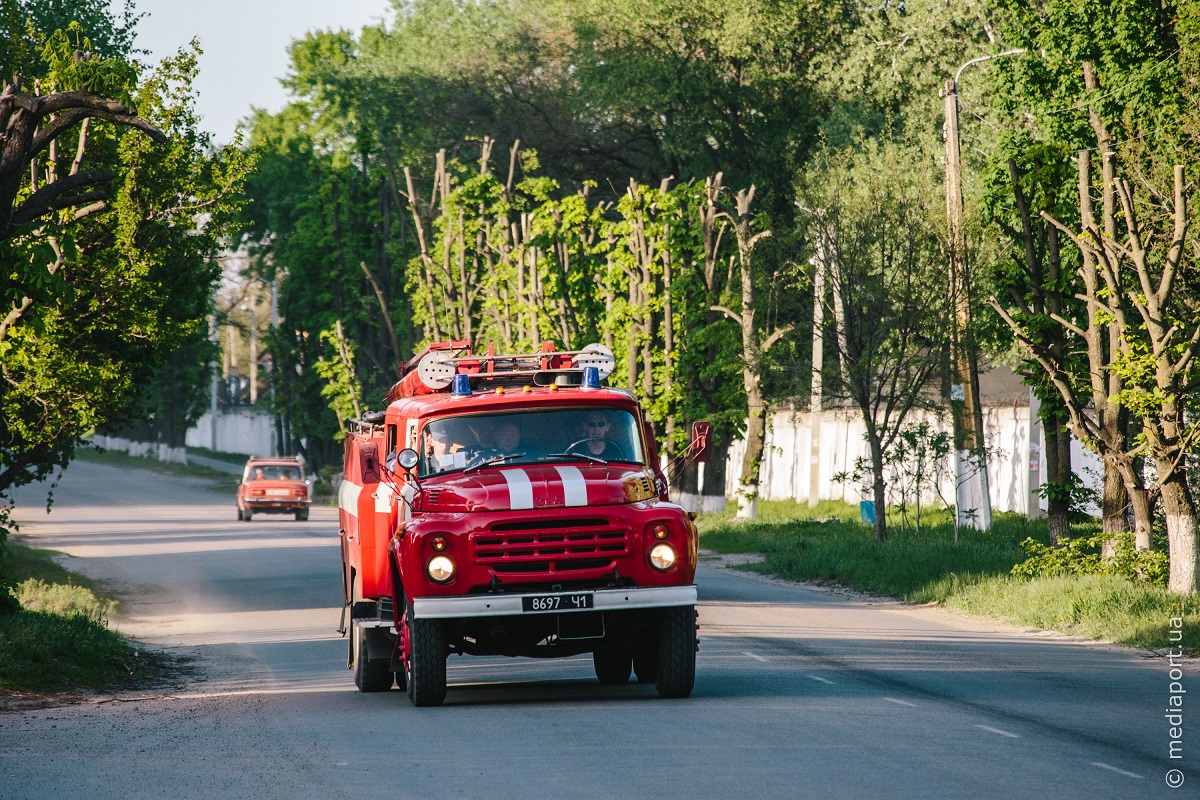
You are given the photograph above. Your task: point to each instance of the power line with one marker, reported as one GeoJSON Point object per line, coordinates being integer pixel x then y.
{"type": "Point", "coordinates": [1089, 101]}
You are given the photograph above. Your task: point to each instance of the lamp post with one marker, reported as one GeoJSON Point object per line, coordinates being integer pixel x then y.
{"type": "Point", "coordinates": [971, 491]}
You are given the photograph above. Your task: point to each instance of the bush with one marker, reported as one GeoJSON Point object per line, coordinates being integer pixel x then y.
{"type": "Point", "coordinates": [1084, 555]}
{"type": "Point", "coordinates": [8, 603]}
{"type": "Point", "coordinates": [66, 599]}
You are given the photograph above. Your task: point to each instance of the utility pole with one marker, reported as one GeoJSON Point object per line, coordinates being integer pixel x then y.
{"type": "Point", "coordinates": [274, 323]}
{"type": "Point", "coordinates": [214, 335]}
{"type": "Point", "coordinates": [971, 491]}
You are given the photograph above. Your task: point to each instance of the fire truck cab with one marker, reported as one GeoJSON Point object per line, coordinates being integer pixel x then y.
{"type": "Point", "coordinates": [512, 505]}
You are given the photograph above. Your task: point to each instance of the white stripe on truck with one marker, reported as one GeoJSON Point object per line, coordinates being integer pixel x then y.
{"type": "Point", "coordinates": [520, 490]}
{"type": "Point", "coordinates": [574, 486]}
{"type": "Point", "coordinates": [348, 497]}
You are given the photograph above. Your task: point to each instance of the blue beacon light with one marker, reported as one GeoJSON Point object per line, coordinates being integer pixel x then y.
{"type": "Point", "coordinates": [591, 378]}
{"type": "Point", "coordinates": [460, 386]}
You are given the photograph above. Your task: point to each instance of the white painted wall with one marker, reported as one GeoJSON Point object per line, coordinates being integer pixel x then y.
{"type": "Point", "coordinates": [174, 455]}
{"type": "Point", "coordinates": [786, 462]}
{"type": "Point", "coordinates": [238, 431]}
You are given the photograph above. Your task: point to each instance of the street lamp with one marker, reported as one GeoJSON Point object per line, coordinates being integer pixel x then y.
{"type": "Point", "coordinates": [971, 489]}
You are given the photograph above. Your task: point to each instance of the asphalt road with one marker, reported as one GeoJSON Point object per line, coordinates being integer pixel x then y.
{"type": "Point", "coordinates": [799, 693]}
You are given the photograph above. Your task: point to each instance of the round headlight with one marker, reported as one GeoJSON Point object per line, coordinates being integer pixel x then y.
{"type": "Point", "coordinates": [407, 458]}
{"type": "Point", "coordinates": [662, 556]}
{"type": "Point", "coordinates": [440, 568]}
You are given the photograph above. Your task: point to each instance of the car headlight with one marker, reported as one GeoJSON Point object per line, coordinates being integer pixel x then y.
{"type": "Point", "coordinates": [662, 556]}
{"type": "Point", "coordinates": [440, 568]}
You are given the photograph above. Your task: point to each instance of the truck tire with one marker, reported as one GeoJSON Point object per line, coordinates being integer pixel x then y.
{"type": "Point", "coordinates": [426, 667]}
{"type": "Point", "coordinates": [645, 661]}
{"type": "Point", "coordinates": [676, 651]}
{"type": "Point", "coordinates": [369, 676]}
{"type": "Point", "coordinates": [612, 666]}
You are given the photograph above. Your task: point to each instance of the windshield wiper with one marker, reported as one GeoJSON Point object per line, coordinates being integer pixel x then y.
{"type": "Point", "coordinates": [491, 461]}
{"type": "Point", "coordinates": [593, 459]}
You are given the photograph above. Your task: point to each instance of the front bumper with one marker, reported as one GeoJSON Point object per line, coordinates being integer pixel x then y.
{"type": "Point", "coordinates": [505, 605]}
{"type": "Point", "coordinates": [280, 502]}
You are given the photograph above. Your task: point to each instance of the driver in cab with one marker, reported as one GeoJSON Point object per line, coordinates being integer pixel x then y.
{"type": "Point", "coordinates": [594, 438]}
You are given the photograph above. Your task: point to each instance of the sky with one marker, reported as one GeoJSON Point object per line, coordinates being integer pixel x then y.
{"type": "Point", "coordinates": [245, 45]}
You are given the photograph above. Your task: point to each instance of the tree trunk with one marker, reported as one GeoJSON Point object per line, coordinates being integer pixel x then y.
{"type": "Point", "coordinates": [1181, 532]}
{"type": "Point", "coordinates": [712, 497]}
{"type": "Point", "coordinates": [686, 489]}
{"type": "Point", "coordinates": [1057, 473]}
{"type": "Point", "coordinates": [1114, 504]}
{"type": "Point", "coordinates": [877, 486]}
{"type": "Point", "coordinates": [756, 434]}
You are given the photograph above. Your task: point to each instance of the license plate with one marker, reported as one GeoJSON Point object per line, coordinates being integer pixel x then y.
{"type": "Point", "coordinates": [279, 492]}
{"type": "Point", "coordinates": [556, 602]}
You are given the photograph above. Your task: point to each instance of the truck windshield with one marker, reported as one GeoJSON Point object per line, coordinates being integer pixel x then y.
{"type": "Point", "coordinates": [585, 435]}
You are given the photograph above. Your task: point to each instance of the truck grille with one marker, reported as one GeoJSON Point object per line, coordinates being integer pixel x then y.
{"type": "Point", "coordinates": [551, 546]}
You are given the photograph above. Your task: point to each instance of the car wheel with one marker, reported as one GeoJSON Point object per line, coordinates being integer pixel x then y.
{"type": "Point", "coordinates": [302, 516]}
{"type": "Point", "coordinates": [239, 515]}
{"type": "Point", "coordinates": [247, 515]}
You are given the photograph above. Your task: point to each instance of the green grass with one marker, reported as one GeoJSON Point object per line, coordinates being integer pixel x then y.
{"type": "Point", "coordinates": [1096, 606]}
{"type": "Point", "coordinates": [43, 585]}
{"type": "Point", "coordinates": [237, 459]}
{"type": "Point", "coordinates": [829, 544]}
{"type": "Point", "coordinates": [44, 652]}
{"type": "Point", "coordinates": [59, 641]}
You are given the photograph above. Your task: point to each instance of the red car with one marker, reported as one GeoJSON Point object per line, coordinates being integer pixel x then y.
{"type": "Point", "coordinates": [273, 486]}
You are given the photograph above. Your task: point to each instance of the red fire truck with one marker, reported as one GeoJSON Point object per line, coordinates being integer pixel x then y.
{"type": "Point", "coordinates": [512, 505]}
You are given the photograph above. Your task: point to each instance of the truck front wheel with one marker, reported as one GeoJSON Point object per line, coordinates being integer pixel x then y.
{"type": "Point", "coordinates": [424, 650]}
{"type": "Point", "coordinates": [676, 651]}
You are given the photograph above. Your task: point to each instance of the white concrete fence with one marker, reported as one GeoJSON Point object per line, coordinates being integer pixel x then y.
{"type": "Point", "coordinates": [1014, 468]}
{"type": "Point", "coordinates": [161, 452]}
{"type": "Point", "coordinates": [239, 431]}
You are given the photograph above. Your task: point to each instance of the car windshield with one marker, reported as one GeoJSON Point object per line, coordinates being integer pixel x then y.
{"type": "Point", "coordinates": [273, 472]}
{"type": "Point", "coordinates": [586, 435]}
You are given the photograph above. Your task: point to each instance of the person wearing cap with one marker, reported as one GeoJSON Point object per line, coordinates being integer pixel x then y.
{"type": "Point", "coordinates": [447, 450]}
{"type": "Point", "coordinates": [594, 431]}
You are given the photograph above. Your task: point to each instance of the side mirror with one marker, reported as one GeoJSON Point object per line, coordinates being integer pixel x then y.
{"type": "Point", "coordinates": [701, 441]}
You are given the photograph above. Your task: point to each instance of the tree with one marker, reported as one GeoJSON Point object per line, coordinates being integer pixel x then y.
{"type": "Point", "coordinates": [754, 349]}
{"type": "Point", "coordinates": [1135, 283]}
{"type": "Point", "coordinates": [1044, 313]}
{"type": "Point", "coordinates": [110, 277]}
{"type": "Point", "coordinates": [871, 229]}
